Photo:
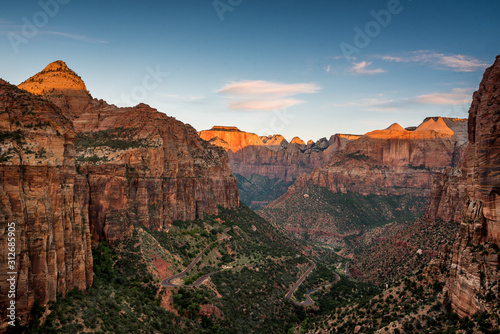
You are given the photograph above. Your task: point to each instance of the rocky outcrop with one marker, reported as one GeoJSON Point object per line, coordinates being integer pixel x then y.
{"type": "Point", "coordinates": [273, 156]}
{"type": "Point", "coordinates": [394, 161]}
{"type": "Point", "coordinates": [41, 193]}
{"type": "Point", "coordinates": [475, 256]}
{"type": "Point", "coordinates": [73, 169]}
{"type": "Point", "coordinates": [139, 164]}
{"type": "Point", "coordinates": [432, 144]}
{"type": "Point", "coordinates": [60, 85]}
{"type": "Point", "coordinates": [234, 138]}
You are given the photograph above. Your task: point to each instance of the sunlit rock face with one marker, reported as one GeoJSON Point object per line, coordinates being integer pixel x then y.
{"type": "Point", "coordinates": [273, 156]}
{"type": "Point", "coordinates": [74, 169]}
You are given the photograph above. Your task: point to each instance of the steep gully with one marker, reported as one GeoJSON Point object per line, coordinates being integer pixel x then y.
{"type": "Point", "coordinates": [169, 281]}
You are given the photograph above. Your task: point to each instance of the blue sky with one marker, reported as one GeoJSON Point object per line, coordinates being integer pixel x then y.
{"type": "Point", "coordinates": [307, 69]}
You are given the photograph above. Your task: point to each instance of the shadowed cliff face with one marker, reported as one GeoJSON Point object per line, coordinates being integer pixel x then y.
{"type": "Point", "coordinates": [475, 256]}
{"type": "Point", "coordinates": [139, 164]}
{"type": "Point", "coordinates": [40, 192]}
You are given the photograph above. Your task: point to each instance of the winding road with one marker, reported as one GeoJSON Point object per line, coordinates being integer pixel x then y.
{"type": "Point", "coordinates": [301, 279]}
{"type": "Point", "coordinates": [168, 282]}
{"type": "Point", "coordinates": [308, 301]}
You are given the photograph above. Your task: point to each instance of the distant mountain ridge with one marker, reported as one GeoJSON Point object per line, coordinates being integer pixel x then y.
{"type": "Point", "coordinates": [271, 159]}
{"type": "Point", "coordinates": [394, 162]}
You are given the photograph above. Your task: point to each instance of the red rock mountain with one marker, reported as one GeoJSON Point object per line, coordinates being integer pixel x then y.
{"type": "Point", "coordinates": [74, 168]}
{"type": "Point", "coordinates": [41, 193]}
{"type": "Point", "coordinates": [273, 156]}
{"type": "Point", "coordinates": [138, 162]}
{"type": "Point", "coordinates": [393, 161]}
{"type": "Point", "coordinates": [390, 162]}
{"type": "Point", "coordinates": [474, 260]}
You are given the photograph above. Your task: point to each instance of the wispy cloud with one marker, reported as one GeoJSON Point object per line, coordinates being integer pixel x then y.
{"type": "Point", "coordinates": [457, 63]}
{"type": "Point", "coordinates": [8, 28]}
{"type": "Point", "coordinates": [362, 68]}
{"type": "Point", "coordinates": [263, 104]}
{"type": "Point", "coordinates": [265, 95]}
{"type": "Point", "coordinates": [81, 38]}
{"type": "Point", "coordinates": [372, 104]}
{"type": "Point", "coordinates": [456, 96]}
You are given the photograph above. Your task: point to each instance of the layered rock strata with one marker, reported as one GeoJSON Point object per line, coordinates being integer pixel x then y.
{"type": "Point", "coordinates": [273, 156]}
{"type": "Point", "coordinates": [474, 260]}
{"type": "Point", "coordinates": [41, 196]}
{"type": "Point", "coordinates": [140, 165]}
{"type": "Point", "coordinates": [74, 168]}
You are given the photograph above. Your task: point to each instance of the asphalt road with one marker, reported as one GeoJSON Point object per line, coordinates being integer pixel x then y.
{"type": "Point", "coordinates": [308, 301]}
{"type": "Point", "coordinates": [168, 282]}
{"type": "Point", "coordinates": [301, 279]}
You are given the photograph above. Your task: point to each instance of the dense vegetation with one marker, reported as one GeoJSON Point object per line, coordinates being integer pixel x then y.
{"type": "Point", "coordinates": [415, 304]}
{"type": "Point", "coordinates": [335, 215]}
{"type": "Point", "coordinates": [391, 258]}
{"type": "Point", "coordinates": [253, 272]}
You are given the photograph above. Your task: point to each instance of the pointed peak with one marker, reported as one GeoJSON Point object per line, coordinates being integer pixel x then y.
{"type": "Point", "coordinates": [55, 77]}
{"type": "Point", "coordinates": [436, 124]}
{"type": "Point", "coordinates": [298, 141]}
{"type": "Point", "coordinates": [395, 127]}
{"type": "Point", "coordinates": [57, 65]}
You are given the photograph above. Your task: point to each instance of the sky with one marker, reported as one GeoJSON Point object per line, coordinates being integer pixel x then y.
{"type": "Point", "coordinates": [297, 68]}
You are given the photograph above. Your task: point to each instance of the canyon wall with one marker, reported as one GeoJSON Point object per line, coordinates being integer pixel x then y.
{"type": "Point", "coordinates": [40, 193]}
{"type": "Point", "coordinates": [140, 165]}
{"type": "Point", "coordinates": [273, 156]}
{"type": "Point", "coordinates": [395, 163]}
{"type": "Point", "coordinates": [474, 259]}
{"type": "Point", "coordinates": [74, 169]}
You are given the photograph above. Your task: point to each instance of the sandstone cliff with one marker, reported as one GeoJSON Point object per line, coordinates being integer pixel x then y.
{"type": "Point", "coordinates": [474, 259]}
{"type": "Point", "coordinates": [139, 164]}
{"type": "Point", "coordinates": [73, 168]}
{"type": "Point", "coordinates": [393, 161]}
{"type": "Point", "coordinates": [40, 193]}
{"type": "Point", "coordinates": [273, 156]}
{"type": "Point", "coordinates": [396, 163]}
